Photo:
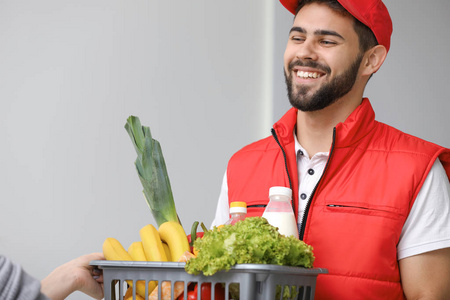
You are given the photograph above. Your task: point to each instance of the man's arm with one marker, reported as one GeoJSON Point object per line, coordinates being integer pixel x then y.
{"type": "Point", "coordinates": [427, 275]}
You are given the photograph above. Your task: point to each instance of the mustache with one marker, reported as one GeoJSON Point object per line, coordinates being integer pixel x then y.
{"type": "Point", "coordinates": [310, 64]}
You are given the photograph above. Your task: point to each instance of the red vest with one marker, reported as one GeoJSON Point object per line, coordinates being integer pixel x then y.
{"type": "Point", "coordinates": [359, 206]}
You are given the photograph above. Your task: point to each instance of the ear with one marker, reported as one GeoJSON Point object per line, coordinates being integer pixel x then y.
{"type": "Point", "coordinates": [373, 59]}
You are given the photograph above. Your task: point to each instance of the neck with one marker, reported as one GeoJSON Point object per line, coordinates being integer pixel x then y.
{"type": "Point", "coordinates": [315, 129]}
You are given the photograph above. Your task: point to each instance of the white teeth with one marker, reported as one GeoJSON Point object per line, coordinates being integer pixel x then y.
{"type": "Point", "coordinates": [303, 74]}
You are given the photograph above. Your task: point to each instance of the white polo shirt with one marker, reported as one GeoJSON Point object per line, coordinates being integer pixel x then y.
{"type": "Point", "coordinates": [427, 227]}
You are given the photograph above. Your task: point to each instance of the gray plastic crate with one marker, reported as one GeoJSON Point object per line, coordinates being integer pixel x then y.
{"type": "Point", "coordinates": [256, 281]}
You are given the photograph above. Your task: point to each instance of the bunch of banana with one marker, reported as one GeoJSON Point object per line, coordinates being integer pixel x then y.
{"type": "Point", "coordinates": [167, 243]}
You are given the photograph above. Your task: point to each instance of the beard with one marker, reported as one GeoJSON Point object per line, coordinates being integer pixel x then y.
{"type": "Point", "coordinates": [328, 93]}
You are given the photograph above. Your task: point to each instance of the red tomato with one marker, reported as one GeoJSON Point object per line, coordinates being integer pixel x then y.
{"type": "Point", "coordinates": [191, 296]}
{"type": "Point", "coordinates": [219, 291]}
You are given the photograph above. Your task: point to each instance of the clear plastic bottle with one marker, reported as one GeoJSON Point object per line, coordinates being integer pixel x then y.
{"type": "Point", "coordinates": [238, 212]}
{"type": "Point", "coordinates": [279, 211]}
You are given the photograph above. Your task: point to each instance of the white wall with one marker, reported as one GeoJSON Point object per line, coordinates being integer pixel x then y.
{"type": "Point", "coordinates": [72, 72]}
{"type": "Point", "coordinates": [198, 73]}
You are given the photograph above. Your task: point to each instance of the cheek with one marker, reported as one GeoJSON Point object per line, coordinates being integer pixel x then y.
{"type": "Point", "coordinates": [339, 62]}
{"type": "Point", "coordinates": [339, 67]}
{"type": "Point", "coordinates": [288, 58]}
{"type": "Point", "coordinates": [335, 64]}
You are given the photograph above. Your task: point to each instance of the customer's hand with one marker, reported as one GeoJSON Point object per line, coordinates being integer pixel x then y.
{"type": "Point", "coordinates": [76, 275]}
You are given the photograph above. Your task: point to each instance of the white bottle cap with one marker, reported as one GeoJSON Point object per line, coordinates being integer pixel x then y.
{"type": "Point", "coordinates": [280, 190]}
{"type": "Point", "coordinates": [238, 207]}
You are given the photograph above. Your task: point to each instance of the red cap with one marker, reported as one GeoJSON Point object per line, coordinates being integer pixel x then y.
{"type": "Point", "coordinates": [372, 13]}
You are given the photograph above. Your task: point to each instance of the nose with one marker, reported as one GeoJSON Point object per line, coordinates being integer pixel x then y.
{"type": "Point", "coordinates": [306, 51]}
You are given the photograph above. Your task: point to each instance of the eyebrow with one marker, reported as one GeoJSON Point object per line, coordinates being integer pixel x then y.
{"type": "Point", "coordinates": [318, 32]}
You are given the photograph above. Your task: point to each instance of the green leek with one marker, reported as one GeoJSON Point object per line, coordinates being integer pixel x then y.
{"type": "Point", "coordinates": [152, 172]}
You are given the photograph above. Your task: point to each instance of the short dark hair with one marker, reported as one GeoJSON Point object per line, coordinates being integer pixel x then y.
{"type": "Point", "coordinates": [366, 37]}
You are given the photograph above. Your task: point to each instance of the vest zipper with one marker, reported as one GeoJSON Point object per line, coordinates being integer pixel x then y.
{"type": "Point", "coordinates": [274, 134]}
{"type": "Point", "coordinates": [305, 213]}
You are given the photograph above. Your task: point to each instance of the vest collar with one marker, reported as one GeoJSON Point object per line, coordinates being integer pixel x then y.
{"type": "Point", "coordinates": [357, 125]}
{"type": "Point", "coordinates": [360, 122]}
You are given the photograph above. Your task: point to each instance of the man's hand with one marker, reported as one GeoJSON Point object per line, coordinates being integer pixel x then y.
{"type": "Point", "coordinates": [76, 275]}
{"type": "Point", "coordinates": [427, 275]}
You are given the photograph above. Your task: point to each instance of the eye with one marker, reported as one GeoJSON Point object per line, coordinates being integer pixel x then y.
{"type": "Point", "coordinates": [297, 38]}
{"type": "Point", "coordinates": [328, 43]}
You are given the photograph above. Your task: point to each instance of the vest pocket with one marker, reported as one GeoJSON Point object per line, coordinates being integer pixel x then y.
{"type": "Point", "coordinates": [256, 208]}
{"type": "Point", "coordinates": [361, 208]}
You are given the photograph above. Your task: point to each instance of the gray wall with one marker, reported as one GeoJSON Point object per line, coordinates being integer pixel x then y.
{"type": "Point", "coordinates": [205, 76]}
{"type": "Point", "coordinates": [71, 73]}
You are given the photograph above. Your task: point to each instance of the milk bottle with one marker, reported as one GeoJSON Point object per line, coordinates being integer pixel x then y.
{"type": "Point", "coordinates": [279, 211]}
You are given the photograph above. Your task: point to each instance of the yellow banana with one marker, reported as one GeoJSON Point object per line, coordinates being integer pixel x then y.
{"type": "Point", "coordinates": [173, 234]}
{"type": "Point", "coordinates": [140, 288]}
{"type": "Point", "coordinates": [113, 250]}
{"type": "Point", "coordinates": [136, 251]}
{"type": "Point", "coordinates": [152, 244]}
{"type": "Point", "coordinates": [129, 295]}
{"type": "Point", "coordinates": [167, 251]}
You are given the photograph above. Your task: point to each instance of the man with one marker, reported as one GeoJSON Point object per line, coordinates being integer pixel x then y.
{"type": "Point", "coordinates": [373, 202]}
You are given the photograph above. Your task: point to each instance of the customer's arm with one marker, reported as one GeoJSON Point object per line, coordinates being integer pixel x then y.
{"type": "Point", "coordinates": [427, 275]}
{"type": "Point", "coordinates": [15, 283]}
{"type": "Point", "coordinates": [76, 275]}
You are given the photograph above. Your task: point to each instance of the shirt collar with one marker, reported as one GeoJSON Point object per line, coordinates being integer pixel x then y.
{"type": "Point", "coordinates": [300, 152]}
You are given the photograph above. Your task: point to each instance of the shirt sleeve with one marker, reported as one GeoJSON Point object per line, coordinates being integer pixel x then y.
{"type": "Point", "coordinates": [223, 209]}
{"type": "Point", "coordinates": [427, 227]}
{"type": "Point", "coordinates": [15, 284]}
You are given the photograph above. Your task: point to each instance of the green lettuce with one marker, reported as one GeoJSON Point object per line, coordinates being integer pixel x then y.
{"type": "Point", "coordinates": [251, 241]}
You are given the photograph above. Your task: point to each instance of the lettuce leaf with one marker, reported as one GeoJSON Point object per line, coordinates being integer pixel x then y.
{"type": "Point", "coordinates": [251, 241]}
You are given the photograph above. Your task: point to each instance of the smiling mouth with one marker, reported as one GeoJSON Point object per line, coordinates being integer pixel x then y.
{"type": "Point", "coordinates": [307, 75]}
